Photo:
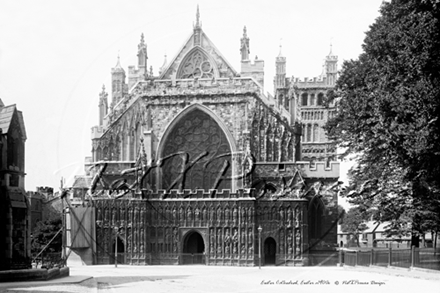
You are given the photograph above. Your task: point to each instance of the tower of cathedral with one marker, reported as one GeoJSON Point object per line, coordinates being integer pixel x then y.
{"type": "Point", "coordinates": [316, 109]}
{"type": "Point", "coordinates": [189, 163]}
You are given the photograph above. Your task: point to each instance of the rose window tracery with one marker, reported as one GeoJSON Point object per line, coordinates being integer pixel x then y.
{"type": "Point", "coordinates": [196, 134]}
{"type": "Point", "coordinates": [196, 65]}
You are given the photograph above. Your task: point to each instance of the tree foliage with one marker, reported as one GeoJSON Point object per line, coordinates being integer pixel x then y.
{"type": "Point", "coordinates": [388, 115]}
{"type": "Point", "coordinates": [341, 214]}
{"type": "Point", "coordinates": [354, 221]}
{"type": "Point", "coordinates": [44, 232]}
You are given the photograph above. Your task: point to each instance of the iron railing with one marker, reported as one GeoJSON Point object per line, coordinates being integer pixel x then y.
{"type": "Point", "coordinates": [192, 258]}
{"type": "Point", "coordinates": [427, 258]}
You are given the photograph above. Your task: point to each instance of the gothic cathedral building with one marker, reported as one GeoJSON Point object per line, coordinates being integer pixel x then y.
{"type": "Point", "coordinates": [198, 165]}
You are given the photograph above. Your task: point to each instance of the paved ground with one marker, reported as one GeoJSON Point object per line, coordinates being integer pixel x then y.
{"type": "Point", "coordinates": [193, 279]}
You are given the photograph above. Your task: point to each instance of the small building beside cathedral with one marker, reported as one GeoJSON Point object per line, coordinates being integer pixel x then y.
{"type": "Point", "coordinates": [198, 165]}
{"type": "Point", "coordinates": [15, 241]}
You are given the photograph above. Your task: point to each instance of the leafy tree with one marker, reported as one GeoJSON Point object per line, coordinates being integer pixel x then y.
{"type": "Point", "coordinates": [354, 223]}
{"type": "Point", "coordinates": [44, 232]}
{"type": "Point", "coordinates": [341, 214]}
{"type": "Point", "coordinates": [388, 109]}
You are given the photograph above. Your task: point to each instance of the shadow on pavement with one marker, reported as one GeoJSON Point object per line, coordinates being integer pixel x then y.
{"type": "Point", "coordinates": [107, 282]}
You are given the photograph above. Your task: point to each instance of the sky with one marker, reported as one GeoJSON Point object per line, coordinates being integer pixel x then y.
{"type": "Point", "coordinates": [55, 56]}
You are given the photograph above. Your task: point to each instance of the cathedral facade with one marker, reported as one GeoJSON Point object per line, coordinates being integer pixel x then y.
{"type": "Point", "coordinates": [198, 165]}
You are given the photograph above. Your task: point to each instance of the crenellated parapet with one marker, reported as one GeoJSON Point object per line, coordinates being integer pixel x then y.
{"type": "Point", "coordinates": [315, 82]}
{"type": "Point", "coordinates": [320, 169]}
{"type": "Point", "coordinates": [97, 131]}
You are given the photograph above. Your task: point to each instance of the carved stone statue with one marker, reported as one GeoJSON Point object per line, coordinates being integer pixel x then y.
{"type": "Point", "coordinates": [122, 215]}
{"type": "Point", "coordinates": [250, 215]}
{"type": "Point", "coordinates": [174, 214]}
{"type": "Point", "coordinates": [98, 214]}
{"type": "Point", "coordinates": [289, 242]}
{"type": "Point", "coordinates": [142, 217]}
{"type": "Point", "coordinates": [243, 236]}
{"type": "Point", "coordinates": [204, 214]}
{"type": "Point", "coordinates": [297, 242]}
{"type": "Point", "coordinates": [227, 249]}
{"type": "Point", "coordinates": [106, 212]}
{"type": "Point", "coordinates": [227, 238]}
{"type": "Point", "coordinates": [197, 214]}
{"type": "Point", "coordinates": [181, 214]}
{"type": "Point", "coordinates": [130, 216]}
{"type": "Point", "coordinates": [136, 215]}
{"type": "Point", "coordinates": [212, 214]}
{"type": "Point", "coordinates": [212, 236]}
{"type": "Point", "coordinates": [235, 215]}
{"type": "Point", "coordinates": [281, 215]}
{"type": "Point", "coordinates": [219, 215]}
{"type": "Point", "coordinates": [226, 214]}
{"type": "Point", "coordinates": [114, 217]}
{"type": "Point", "coordinates": [297, 215]}
{"type": "Point", "coordinates": [219, 237]}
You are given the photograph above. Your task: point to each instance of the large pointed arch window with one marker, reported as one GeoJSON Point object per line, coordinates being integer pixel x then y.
{"type": "Point", "coordinates": [196, 138]}
{"type": "Point", "coordinates": [196, 65]}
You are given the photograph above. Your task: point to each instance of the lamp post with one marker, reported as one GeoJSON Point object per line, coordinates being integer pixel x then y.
{"type": "Point", "coordinates": [63, 195]}
{"type": "Point", "coordinates": [116, 245]}
{"type": "Point", "coordinates": [259, 246]}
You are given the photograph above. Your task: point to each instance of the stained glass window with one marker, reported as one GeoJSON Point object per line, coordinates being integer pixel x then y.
{"type": "Point", "coordinates": [193, 135]}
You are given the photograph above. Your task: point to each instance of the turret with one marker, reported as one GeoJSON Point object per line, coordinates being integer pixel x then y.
{"type": "Point", "coordinates": [244, 49]}
{"type": "Point", "coordinates": [253, 69]}
{"type": "Point", "coordinates": [118, 83]}
{"type": "Point", "coordinates": [280, 69]}
{"type": "Point", "coordinates": [103, 105]}
{"type": "Point", "coordinates": [331, 68]}
{"type": "Point", "coordinates": [164, 65]}
{"type": "Point", "coordinates": [142, 57]}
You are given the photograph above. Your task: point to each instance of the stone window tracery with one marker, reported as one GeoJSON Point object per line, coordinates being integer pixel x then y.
{"type": "Point", "coordinates": [312, 100]}
{"type": "Point", "coordinates": [304, 98]}
{"type": "Point", "coordinates": [196, 65]}
{"type": "Point", "coordinates": [320, 99]}
{"type": "Point", "coordinates": [195, 134]}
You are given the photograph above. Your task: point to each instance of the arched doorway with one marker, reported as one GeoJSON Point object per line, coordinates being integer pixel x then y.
{"type": "Point", "coordinates": [270, 248]}
{"type": "Point", "coordinates": [121, 251]}
{"type": "Point", "coordinates": [193, 249]}
{"type": "Point", "coordinates": [316, 212]}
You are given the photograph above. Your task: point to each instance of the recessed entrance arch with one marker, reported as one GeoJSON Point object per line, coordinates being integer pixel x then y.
{"type": "Point", "coordinates": [270, 248]}
{"type": "Point", "coordinates": [193, 249]}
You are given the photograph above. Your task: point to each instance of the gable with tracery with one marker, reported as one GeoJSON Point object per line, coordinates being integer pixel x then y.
{"type": "Point", "coordinates": [197, 64]}
{"type": "Point", "coordinates": [198, 60]}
